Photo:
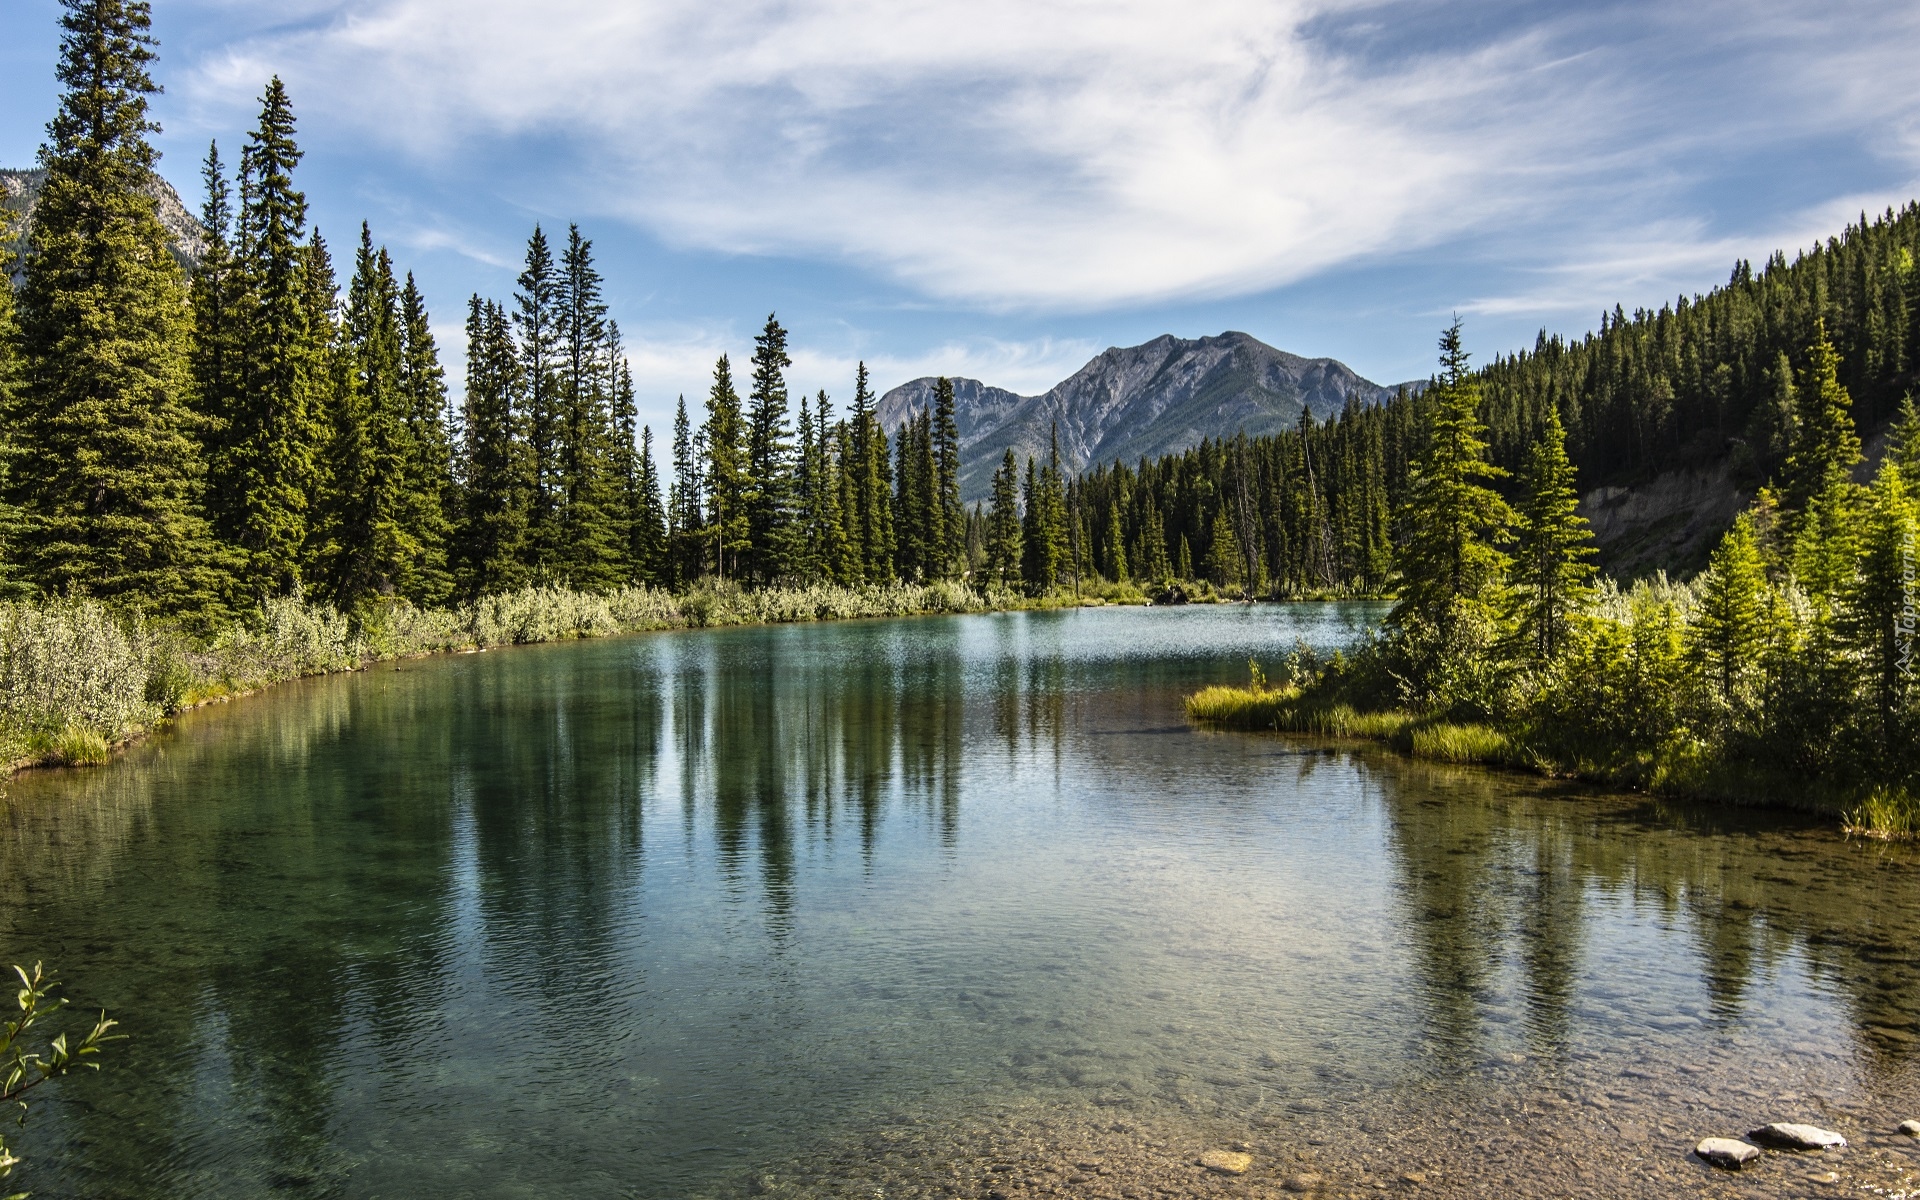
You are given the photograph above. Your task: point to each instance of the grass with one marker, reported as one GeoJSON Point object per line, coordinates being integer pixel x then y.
{"type": "Point", "coordinates": [1288, 710]}
{"type": "Point", "coordinates": [1890, 813]}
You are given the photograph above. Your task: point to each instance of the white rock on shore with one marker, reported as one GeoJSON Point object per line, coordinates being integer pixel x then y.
{"type": "Point", "coordinates": [1727, 1153]}
{"type": "Point", "coordinates": [1788, 1136]}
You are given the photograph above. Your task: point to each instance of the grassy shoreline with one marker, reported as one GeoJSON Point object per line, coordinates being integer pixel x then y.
{"type": "Point", "coordinates": [1678, 772]}
{"type": "Point", "coordinates": [80, 679]}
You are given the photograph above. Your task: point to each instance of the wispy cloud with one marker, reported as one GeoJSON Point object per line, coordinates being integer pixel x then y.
{"type": "Point", "coordinates": [1056, 155]}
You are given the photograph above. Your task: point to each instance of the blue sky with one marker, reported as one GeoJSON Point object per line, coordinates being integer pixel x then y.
{"type": "Point", "coordinates": [1002, 188]}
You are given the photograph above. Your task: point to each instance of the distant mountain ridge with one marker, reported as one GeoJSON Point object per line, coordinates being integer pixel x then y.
{"type": "Point", "coordinates": [1139, 401]}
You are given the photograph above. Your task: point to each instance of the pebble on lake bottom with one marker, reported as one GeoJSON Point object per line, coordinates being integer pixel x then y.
{"type": "Point", "coordinates": [1227, 1162]}
{"type": "Point", "coordinates": [1910, 1128]}
{"type": "Point", "coordinates": [1788, 1136]}
{"type": "Point", "coordinates": [1301, 1183]}
{"type": "Point", "coordinates": [1726, 1153]}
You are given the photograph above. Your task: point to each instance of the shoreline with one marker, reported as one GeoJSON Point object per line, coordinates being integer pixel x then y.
{"type": "Point", "coordinates": [1291, 710]}
{"type": "Point", "coordinates": [316, 641]}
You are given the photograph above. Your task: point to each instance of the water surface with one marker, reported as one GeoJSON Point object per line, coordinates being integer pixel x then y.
{"type": "Point", "coordinates": [818, 908]}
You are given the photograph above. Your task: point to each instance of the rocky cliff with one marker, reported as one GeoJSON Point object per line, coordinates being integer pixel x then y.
{"type": "Point", "coordinates": [20, 190]}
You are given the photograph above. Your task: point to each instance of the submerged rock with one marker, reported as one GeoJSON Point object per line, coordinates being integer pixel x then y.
{"type": "Point", "coordinates": [1727, 1153]}
{"type": "Point", "coordinates": [1227, 1162]}
{"type": "Point", "coordinates": [1910, 1128]}
{"type": "Point", "coordinates": [1302, 1183]}
{"type": "Point", "coordinates": [1788, 1136]}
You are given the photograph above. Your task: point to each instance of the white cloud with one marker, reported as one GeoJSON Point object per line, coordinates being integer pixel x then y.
{"type": "Point", "coordinates": [1080, 154]}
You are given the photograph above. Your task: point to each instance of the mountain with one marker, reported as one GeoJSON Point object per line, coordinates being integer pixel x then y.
{"type": "Point", "coordinates": [19, 190]}
{"type": "Point", "coordinates": [1140, 401]}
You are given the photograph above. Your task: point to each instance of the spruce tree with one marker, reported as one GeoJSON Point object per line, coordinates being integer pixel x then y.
{"type": "Point", "coordinates": [647, 548]}
{"type": "Point", "coordinates": [11, 584]}
{"type": "Point", "coordinates": [367, 549]}
{"type": "Point", "coordinates": [1905, 442]}
{"type": "Point", "coordinates": [684, 501]}
{"type": "Point", "coordinates": [1116, 545]}
{"type": "Point", "coordinates": [770, 538]}
{"type": "Point", "coordinates": [1033, 557]}
{"type": "Point", "coordinates": [946, 451]}
{"type": "Point", "coordinates": [852, 569]}
{"type": "Point", "coordinates": [726, 483]}
{"type": "Point", "coordinates": [830, 515]}
{"type": "Point", "coordinates": [219, 295]}
{"type": "Point", "coordinates": [1879, 620]}
{"type": "Point", "coordinates": [806, 559]}
{"type": "Point", "coordinates": [1450, 559]}
{"type": "Point", "coordinates": [872, 516]}
{"type": "Point", "coordinates": [1225, 565]}
{"type": "Point", "coordinates": [1551, 576]}
{"type": "Point", "coordinates": [496, 483]}
{"type": "Point", "coordinates": [537, 315]}
{"type": "Point", "coordinates": [427, 450]}
{"type": "Point", "coordinates": [1728, 631]}
{"type": "Point", "coordinates": [1005, 554]}
{"type": "Point", "coordinates": [1821, 490]}
{"type": "Point", "coordinates": [112, 486]}
{"type": "Point", "coordinates": [261, 481]}
{"type": "Point", "coordinates": [589, 541]}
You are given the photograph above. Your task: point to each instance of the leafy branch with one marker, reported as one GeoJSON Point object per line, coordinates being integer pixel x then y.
{"type": "Point", "coordinates": [25, 1068]}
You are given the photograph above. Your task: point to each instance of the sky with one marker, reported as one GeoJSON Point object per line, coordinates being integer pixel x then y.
{"type": "Point", "coordinates": [1000, 189]}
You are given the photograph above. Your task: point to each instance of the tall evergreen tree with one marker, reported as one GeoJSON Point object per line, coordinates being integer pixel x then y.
{"type": "Point", "coordinates": [1005, 555]}
{"type": "Point", "coordinates": [1115, 568]}
{"type": "Point", "coordinates": [262, 479]}
{"type": "Point", "coordinates": [1225, 564]}
{"type": "Point", "coordinates": [427, 497]}
{"type": "Point", "coordinates": [537, 314]}
{"type": "Point", "coordinates": [770, 541]}
{"type": "Point", "coordinates": [946, 453]}
{"type": "Point", "coordinates": [1880, 601]}
{"type": "Point", "coordinates": [1552, 577]}
{"type": "Point", "coordinates": [1820, 476]}
{"type": "Point", "coordinates": [726, 485]}
{"type": "Point", "coordinates": [831, 546]}
{"type": "Point", "coordinates": [112, 487]}
{"type": "Point", "coordinates": [684, 501]}
{"type": "Point", "coordinates": [1454, 521]}
{"type": "Point", "coordinates": [590, 543]}
{"type": "Point", "coordinates": [496, 483]}
{"type": "Point", "coordinates": [219, 295]}
{"type": "Point", "coordinates": [806, 559]}
{"type": "Point", "coordinates": [11, 526]}
{"type": "Point", "coordinates": [1905, 447]}
{"type": "Point", "coordinates": [871, 519]}
{"type": "Point", "coordinates": [1729, 631]}
{"type": "Point", "coordinates": [647, 547]}
{"type": "Point", "coordinates": [367, 550]}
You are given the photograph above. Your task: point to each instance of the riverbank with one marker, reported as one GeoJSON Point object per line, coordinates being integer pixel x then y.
{"type": "Point", "coordinates": [78, 679]}
{"type": "Point", "coordinates": [1678, 770]}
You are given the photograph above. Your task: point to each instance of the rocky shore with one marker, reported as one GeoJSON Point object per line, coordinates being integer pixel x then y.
{"type": "Point", "coordinates": [1640, 1138]}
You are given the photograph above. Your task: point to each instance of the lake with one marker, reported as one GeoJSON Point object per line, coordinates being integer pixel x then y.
{"type": "Point", "coordinates": [939, 906]}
